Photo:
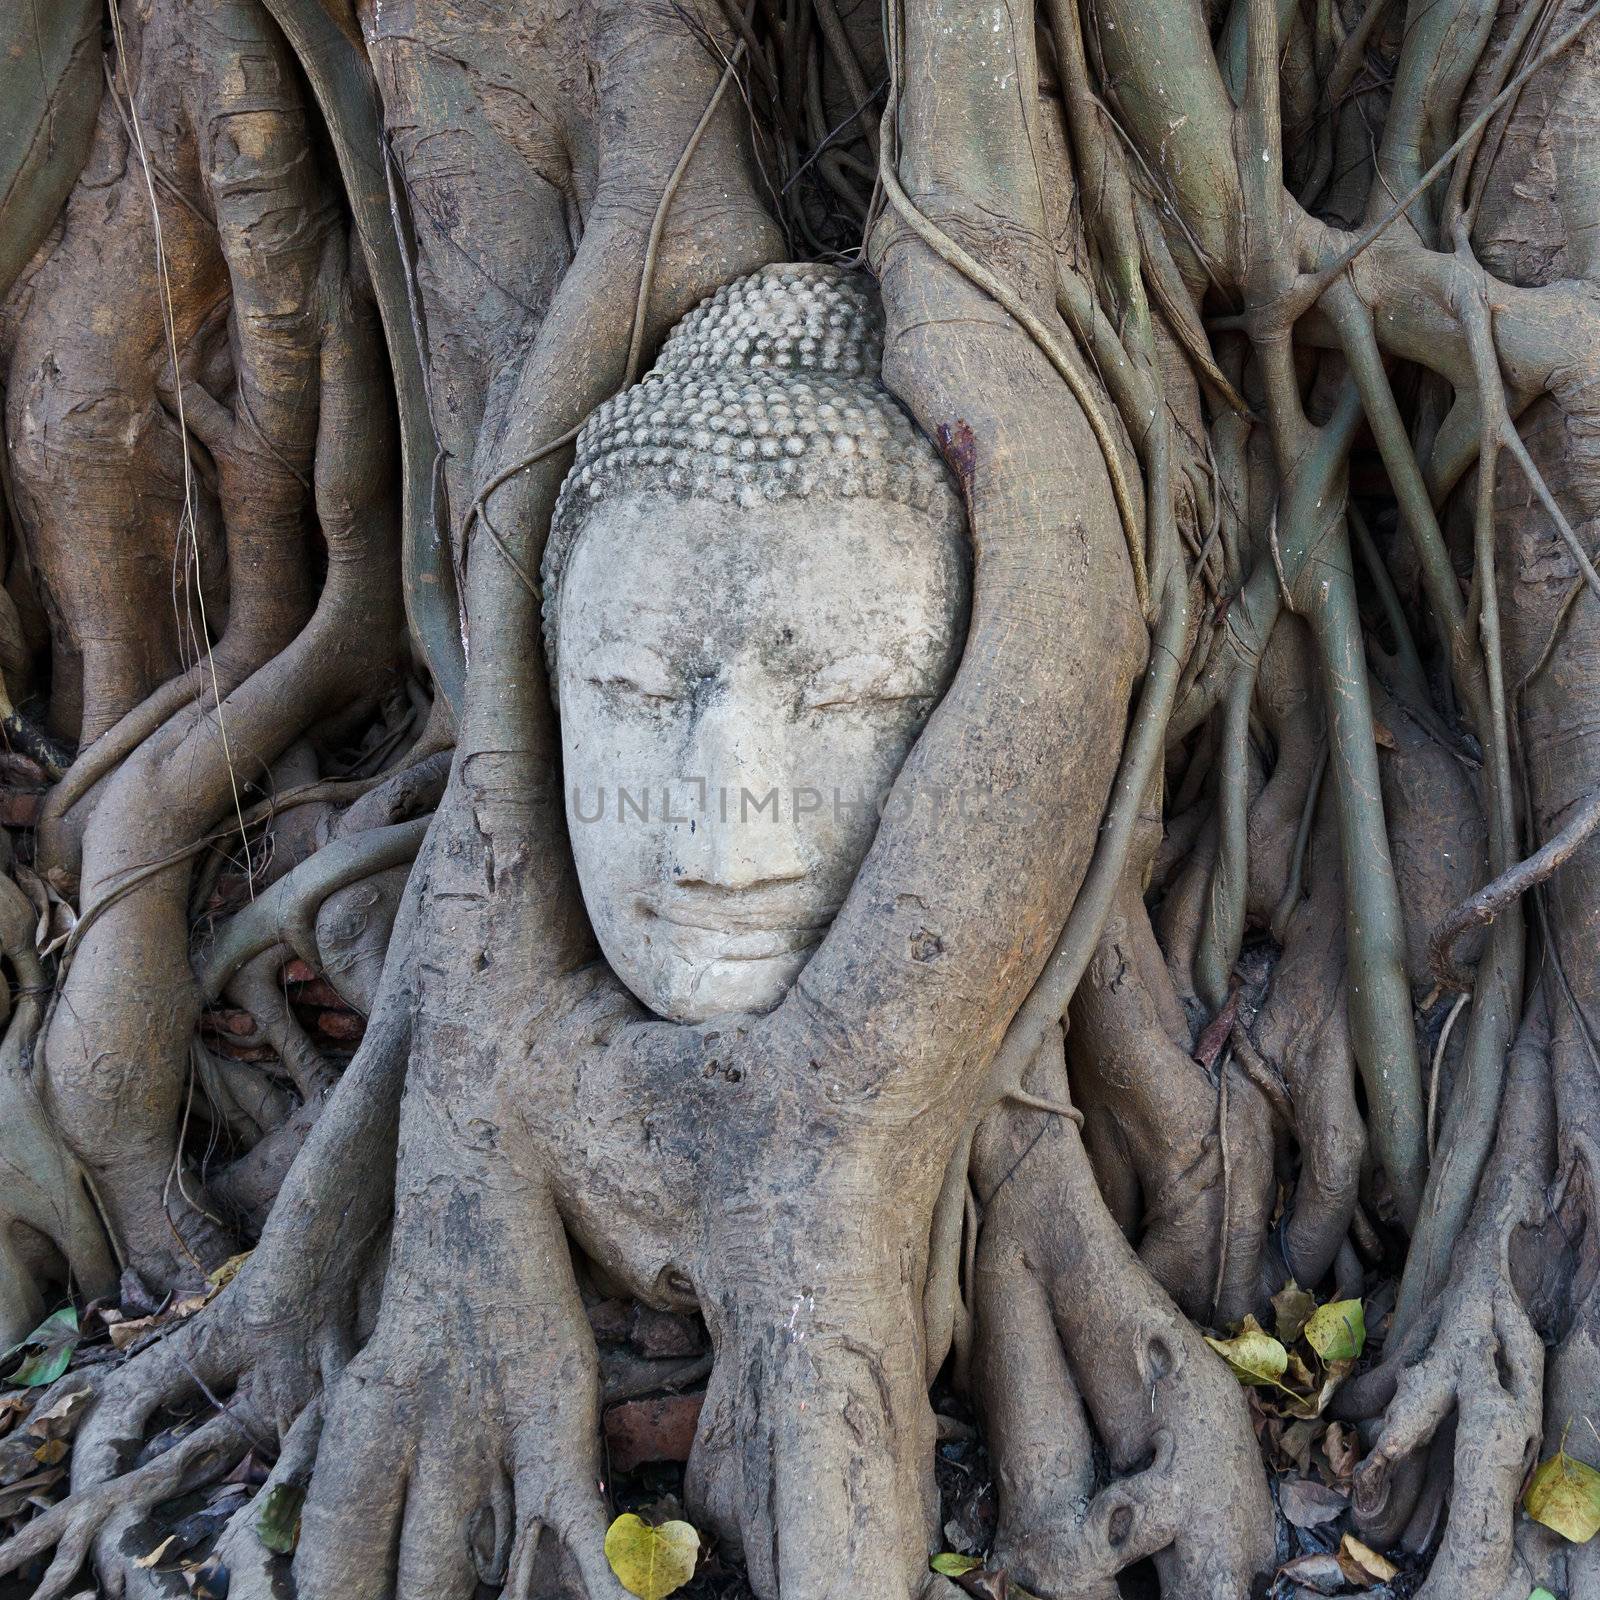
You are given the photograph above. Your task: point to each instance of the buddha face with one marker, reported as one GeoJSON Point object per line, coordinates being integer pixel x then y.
{"type": "Point", "coordinates": [738, 690]}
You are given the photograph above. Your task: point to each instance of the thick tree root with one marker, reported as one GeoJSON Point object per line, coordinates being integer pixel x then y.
{"type": "Point", "coordinates": [49, 1228]}
{"type": "Point", "coordinates": [265, 1349]}
{"type": "Point", "coordinates": [1072, 1328]}
{"type": "Point", "coordinates": [1191, 1187]}
{"type": "Point", "coordinates": [1481, 1362]}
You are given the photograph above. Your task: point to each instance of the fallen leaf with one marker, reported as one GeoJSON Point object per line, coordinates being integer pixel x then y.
{"type": "Point", "coordinates": [1296, 1442]}
{"type": "Point", "coordinates": [1307, 1504]}
{"type": "Point", "coordinates": [1337, 1331]}
{"type": "Point", "coordinates": [1364, 1565]}
{"type": "Point", "coordinates": [59, 1420]}
{"type": "Point", "coordinates": [1541, 1594]}
{"type": "Point", "coordinates": [1292, 1307]}
{"type": "Point", "coordinates": [130, 1332]}
{"type": "Point", "coordinates": [1343, 1451]}
{"type": "Point", "coordinates": [1564, 1494]}
{"type": "Point", "coordinates": [51, 1344]}
{"type": "Point", "coordinates": [209, 1581]}
{"type": "Point", "coordinates": [1319, 1572]}
{"type": "Point", "coordinates": [278, 1526]}
{"type": "Point", "coordinates": [25, 1491]}
{"type": "Point", "coordinates": [1254, 1356]}
{"type": "Point", "coordinates": [155, 1555]}
{"type": "Point", "coordinates": [51, 1452]}
{"type": "Point", "coordinates": [950, 1565]}
{"type": "Point", "coordinates": [652, 1562]}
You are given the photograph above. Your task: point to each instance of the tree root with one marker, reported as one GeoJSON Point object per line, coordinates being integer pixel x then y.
{"type": "Point", "coordinates": [117, 1045]}
{"type": "Point", "coordinates": [287, 1324]}
{"type": "Point", "coordinates": [1477, 1358]}
{"type": "Point", "coordinates": [1152, 1126]}
{"type": "Point", "coordinates": [1071, 1327]}
{"type": "Point", "coordinates": [46, 1200]}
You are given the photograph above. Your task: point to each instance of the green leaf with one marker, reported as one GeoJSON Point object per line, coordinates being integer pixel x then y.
{"type": "Point", "coordinates": [46, 1352]}
{"type": "Point", "coordinates": [1254, 1356]}
{"type": "Point", "coordinates": [1541, 1594]}
{"type": "Point", "coordinates": [1338, 1330]}
{"type": "Point", "coordinates": [1293, 1307]}
{"type": "Point", "coordinates": [1564, 1494]}
{"type": "Point", "coordinates": [652, 1562]}
{"type": "Point", "coordinates": [278, 1526]}
{"type": "Point", "coordinates": [950, 1565]}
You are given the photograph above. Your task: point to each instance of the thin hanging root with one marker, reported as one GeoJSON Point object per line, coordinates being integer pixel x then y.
{"type": "Point", "coordinates": [1293, 884]}
{"type": "Point", "coordinates": [1433, 1076]}
{"type": "Point", "coordinates": [1511, 885]}
{"type": "Point", "coordinates": [1307, 293]}
{"type": "Point", "coordinates": [1227, 1182]}
{"type": "Point", "coordinates": [1513, 442]}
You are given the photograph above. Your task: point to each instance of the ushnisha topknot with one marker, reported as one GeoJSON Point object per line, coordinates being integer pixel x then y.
{"type": "Point", "coordinates": [772, 388]}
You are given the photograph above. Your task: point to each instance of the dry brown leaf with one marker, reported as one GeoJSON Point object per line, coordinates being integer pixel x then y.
{"type": "Point", "coordinates": [1320, 1573]}
{"type": "Point", "coordinates": [26, 1490]}
{"type": "Point", "coordinates": [130, 1332]}
{"type": "Point", "coordinates": [1343, 1451]}
{"type": "Point", "coordinates": [61, 1419]}
{"type": "Point", "coordinates": [1308, 1504]}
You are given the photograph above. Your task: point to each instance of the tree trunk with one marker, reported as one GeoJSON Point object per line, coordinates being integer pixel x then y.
{"type": "Point", "coordinates": [1259, 344]}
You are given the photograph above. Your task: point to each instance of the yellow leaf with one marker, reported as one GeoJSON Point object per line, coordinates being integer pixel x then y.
{"type": "Point", "coordinates": [156, 1554]}
{"type": "Point", "coordinates": [1361, 1563]}
{"type": "Point", "coordinates": [227, 1272]}
{"type": "Point", "coordinates": [1564, 1494]}
{"type": "Point", "coordinates": [950, 1565]}
{"type": "Point", "coordinates": [1254, 1356]}
{"type": "Point", "coordinates": [1338, 1330]}
{"type": "Point", "coordinates": [651, 1562]}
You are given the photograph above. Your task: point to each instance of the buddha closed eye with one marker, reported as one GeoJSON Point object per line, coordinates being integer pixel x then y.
{"type": "Point", "coordinates": [745, 643]}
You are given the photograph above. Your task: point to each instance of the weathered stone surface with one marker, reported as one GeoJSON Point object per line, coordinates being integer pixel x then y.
{"type": "Point", "coordinates": [756, 593]}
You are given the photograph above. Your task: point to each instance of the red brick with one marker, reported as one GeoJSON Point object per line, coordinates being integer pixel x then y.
{"type": "Point", "coordinates": [19, 808]}
{"type": "Point", "coordinates": [340, 1025]}
{"type": "Point", "coordinates": [22, 770]}
{"type": "Point", "coordinates": [652, 1430]}
{"type": "Point", "coordinates": [238, 1023]}
{"type": "Point", "coordinates": [319, 992]}
{"type": "Point", "coordinates": [245, 1052]}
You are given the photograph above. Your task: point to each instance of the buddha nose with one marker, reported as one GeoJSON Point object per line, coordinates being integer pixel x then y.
{"type": "Point", "coordinates": [747, 834]}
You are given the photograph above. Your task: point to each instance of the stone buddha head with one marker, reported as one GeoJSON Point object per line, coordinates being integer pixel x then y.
{"type": "Point", "coordinates": [756, 591]}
